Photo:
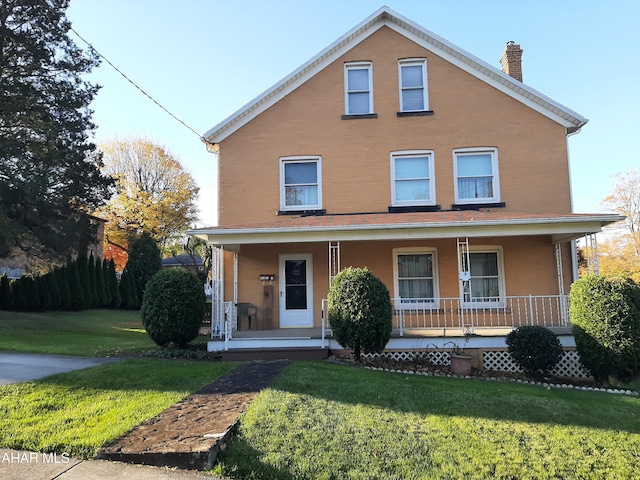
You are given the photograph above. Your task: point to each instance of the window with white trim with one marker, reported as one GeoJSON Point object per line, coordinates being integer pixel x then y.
{"type": "Point", "coordinates": [476, 175]}
{"type": "Point", "coordinates": [412, 178]}
{"type": "Point", "coordinates": [358, 86]}
{"type": "Point", "coordinates": [413, 85]}
{"type": "Point", "coordinates": [300, 183]}
{"type": "Point", "coordinates": [486, 286]}
{"type": "Point", "coordinates": [415, 277]}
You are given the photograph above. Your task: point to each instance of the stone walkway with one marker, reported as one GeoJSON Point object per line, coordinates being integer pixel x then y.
{"type": "Point", "coordinates": [190, 434]}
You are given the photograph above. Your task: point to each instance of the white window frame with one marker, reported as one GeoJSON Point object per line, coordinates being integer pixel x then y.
{"type": "Point", "coordinates": [358, 66]}
{"type": "Point", "coordinates": [494, 170]}
{"type": "Point", "coordinates": [432, 183]}
{"type": "Point", "coordinates": [502, 289]}
{"type": "Point", "coordinates": [412, 62]}
{"type": "Point", "coordinates": [283, 194]}
{"type": "Point", "coordinates": [400, 305]}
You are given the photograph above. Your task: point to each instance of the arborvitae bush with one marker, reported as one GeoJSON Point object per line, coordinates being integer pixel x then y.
{"type": "Point", "coordinates": [18, 295]}
{"type": "Point", "coordinates": [51, 280]}
{"type": "Point", "coordinates": [43, 292]}
{"type": "Point", "coordinates": [605, 313]}
{"type": "Point", "coordinates": [113, 285]}
{"type": "Point", "coordinates": [128, 291]}
{"type": "Point", "coordinates": [76, 292]}
{"type": "Point", "coordinates": [98, 282]}
{"type": "Point", "coordinates": [143, 263]}
{"type": "Point", "coordinates": [93, 289]}
{"type": "Point", "coordinates": [106, 287]}
{"type": "Point", "coordinates": [360, 311]}
{"type": "Point", "coordinates": [535, 349]}
{"type": "Point", "coordinates": [84, 291]}
{"type": "Point", "coordinates": [5, 293]}
{"type": "Point", "coordinates": [173, 307]}
{"type": "Point", "coordinates": [31, 294]}
{"type": "Point", "coordinates": [62, 278]}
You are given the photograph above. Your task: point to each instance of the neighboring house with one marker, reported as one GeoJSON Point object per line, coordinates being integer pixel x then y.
{"type": "Point", "coordinates": [194, 264]}
{"type": "Point", "coordinates": [396, 150]}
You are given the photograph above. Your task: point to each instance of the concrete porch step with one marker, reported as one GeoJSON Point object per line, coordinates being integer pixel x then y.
{"type": "Point", "coordinates": [291, 353]}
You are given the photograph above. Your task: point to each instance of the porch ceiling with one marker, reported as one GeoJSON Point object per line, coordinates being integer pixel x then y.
{"type": "Point", "coordinates": [405, 226]}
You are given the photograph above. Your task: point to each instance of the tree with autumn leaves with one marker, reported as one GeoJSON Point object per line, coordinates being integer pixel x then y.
{"type": "Point", "coordinates": [153, 194]}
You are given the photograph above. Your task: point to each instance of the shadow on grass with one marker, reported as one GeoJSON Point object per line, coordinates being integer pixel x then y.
{"type": "Point", "coordinates": [161, 375]}
{"type": "Point", "coordinates": [243, 461]}
{"type": "Point", "coordinates": [504, 401]}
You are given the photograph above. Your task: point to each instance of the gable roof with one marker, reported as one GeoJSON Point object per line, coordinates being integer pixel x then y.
{"type": "Point", "coordinates": [471, 64]}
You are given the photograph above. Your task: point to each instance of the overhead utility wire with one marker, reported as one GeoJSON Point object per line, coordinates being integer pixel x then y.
{"type": "Point", "coordinates": [91, 47]}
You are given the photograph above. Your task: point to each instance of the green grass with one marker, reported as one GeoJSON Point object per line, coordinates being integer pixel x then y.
{"type": "Point", "coordinates": [78, 412]}
{"type": "Point", "coordinates": [326, 421]}
{"type": "Point", "coordinates": [96, 333]}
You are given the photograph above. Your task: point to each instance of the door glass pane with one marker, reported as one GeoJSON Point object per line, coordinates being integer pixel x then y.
{"type": "Point", "coordinates": [295, 273]}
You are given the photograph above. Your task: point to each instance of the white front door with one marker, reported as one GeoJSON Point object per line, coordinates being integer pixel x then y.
{"type": "Point", "coordinates": [296, 291]}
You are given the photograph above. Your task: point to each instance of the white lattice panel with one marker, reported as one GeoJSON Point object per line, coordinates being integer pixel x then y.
{"type": "Point", "coordinates": [568, 366]}
{"type": "Point", "coordinates": [435, 357]}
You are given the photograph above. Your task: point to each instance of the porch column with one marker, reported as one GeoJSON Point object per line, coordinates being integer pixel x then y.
{"type": "Point", "coordinates": [591, 253]}
{"type": "Point", "coordinates": [559, 268]}
{"type": "Point", "coordinates": [217, 291]}
{"type": "Point", "coordinates": [334, 260]}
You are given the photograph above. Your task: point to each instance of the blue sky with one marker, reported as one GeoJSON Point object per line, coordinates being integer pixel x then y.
{"type": "Point", "coordinates": [204, 59]}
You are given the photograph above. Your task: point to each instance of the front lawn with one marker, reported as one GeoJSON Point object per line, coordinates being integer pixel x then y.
{"type": "Point", "coordinates": [327, 421]}
{"type": "Point", "coordinates": [96, 333]}
{"type": "Point", "coordinates": [78, 412]}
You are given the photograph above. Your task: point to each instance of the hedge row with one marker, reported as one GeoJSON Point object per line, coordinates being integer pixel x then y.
{"type": "Point", "coordinates": [82, 284]}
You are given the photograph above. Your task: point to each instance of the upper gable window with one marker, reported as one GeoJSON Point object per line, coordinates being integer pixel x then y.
{"type": "Point", "coordinates": [300, 183]}
{"type": "Point", "coordinates": [476, 173]}
{"type": "Point", "coordinates": [358, 83]}
{"type": "Point", "coordinates": [412, 181]}
{"type": "Point", "coordinates": [413, 85]}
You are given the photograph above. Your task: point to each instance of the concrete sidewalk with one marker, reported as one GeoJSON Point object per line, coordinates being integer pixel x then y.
{"type": "Point", "coordinates": [20, 367]}
{"type": "Point", "coordinates": [22, 465]}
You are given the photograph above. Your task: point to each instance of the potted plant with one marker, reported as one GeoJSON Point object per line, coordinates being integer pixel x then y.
{"type": "Point", "coordinates": [460, 361]}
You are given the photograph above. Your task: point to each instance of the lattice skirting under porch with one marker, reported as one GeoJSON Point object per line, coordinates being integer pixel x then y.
{"type": "Point", "coordinates": [496, 360]}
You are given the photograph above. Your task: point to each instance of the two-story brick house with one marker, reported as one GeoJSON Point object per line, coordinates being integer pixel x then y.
{"type": "Point", "coordinates": [396, 150]}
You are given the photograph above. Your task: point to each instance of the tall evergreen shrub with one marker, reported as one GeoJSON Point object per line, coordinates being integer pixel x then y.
{"type": "Point", "coordinates": [5, 293]}
{"type": "Point", "coordinates": [92, 300]}
{"type": "Point", "coordinates": [116, 299]}
{"type": "Point", "coordinates": [605, 313]}
{"type": "Point", "coordinates": [143, 263]}
{"type": "Point", "coordinates": [77, 299]}
{"type": "Point", "coordinates": [18, 299]}
{"type": "Point", "coordinates": [51, 280]}
{"type": "Point", "coordinates": [43, 292]}
{"type": "Point", "coordinates": [102, 283]}
{"type": "Point", "coordinates": [62, 278]}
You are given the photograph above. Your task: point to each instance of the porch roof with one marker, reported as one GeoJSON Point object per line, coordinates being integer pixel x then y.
{"type": "Point", "coordinates": [405, 226]}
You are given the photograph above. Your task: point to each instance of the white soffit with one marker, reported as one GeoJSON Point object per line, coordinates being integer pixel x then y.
{"type": "Point", "coordinates": [423, 37]}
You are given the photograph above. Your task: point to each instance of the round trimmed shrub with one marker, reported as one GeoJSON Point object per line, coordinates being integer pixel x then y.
{"type": "Point", "coordinates": [360, 311]}
{"type": "Point", "coordinates": [173, 307]}
{"type": "Point", "coordinates": [535, 349]}
{"type": "Point", "coordinates": [605, 313]}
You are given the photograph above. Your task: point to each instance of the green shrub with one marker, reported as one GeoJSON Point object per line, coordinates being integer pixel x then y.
{"type": "Point", "coordinates": [116, 299]}
{"type": "Point", "coordinates": [143, 263]}
{"type": "Point", "coordinates": [173, 307]}
{"type": "Point", "coordinates": [605, 313]}
{"type": "Point", "coordinates": [535, 349]}
{"type": "Point", "coordinates": [360, 311]}
{"type": "Point", "coordinates": [5, 293]}
{"type": "Point", "coordinates": [54, 290]}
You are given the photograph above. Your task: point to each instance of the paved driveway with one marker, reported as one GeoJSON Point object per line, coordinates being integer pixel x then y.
{"type": "Point", "coordinates": [18, 367]}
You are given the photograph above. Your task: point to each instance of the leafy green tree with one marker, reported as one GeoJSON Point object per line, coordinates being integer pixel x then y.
{"type": "Point", "coordinates": [360, 311]}
{"type": "Point", "coordinates": [144, 262]}
{"type": "Point", "coordinates": [197, 247]}
{"type": "Point", "coordinates": [50, 174]}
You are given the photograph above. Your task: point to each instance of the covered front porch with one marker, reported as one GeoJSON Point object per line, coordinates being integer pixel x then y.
{"type": "Point", "coordinates": [449, 274]}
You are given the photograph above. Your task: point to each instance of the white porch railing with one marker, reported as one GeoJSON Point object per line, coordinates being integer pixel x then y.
{"type": "Point", "coordinates": [503, 312]}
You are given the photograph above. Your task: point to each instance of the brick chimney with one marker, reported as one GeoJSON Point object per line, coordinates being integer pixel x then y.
{"type": "Point", "coordinates": [511, 61]}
